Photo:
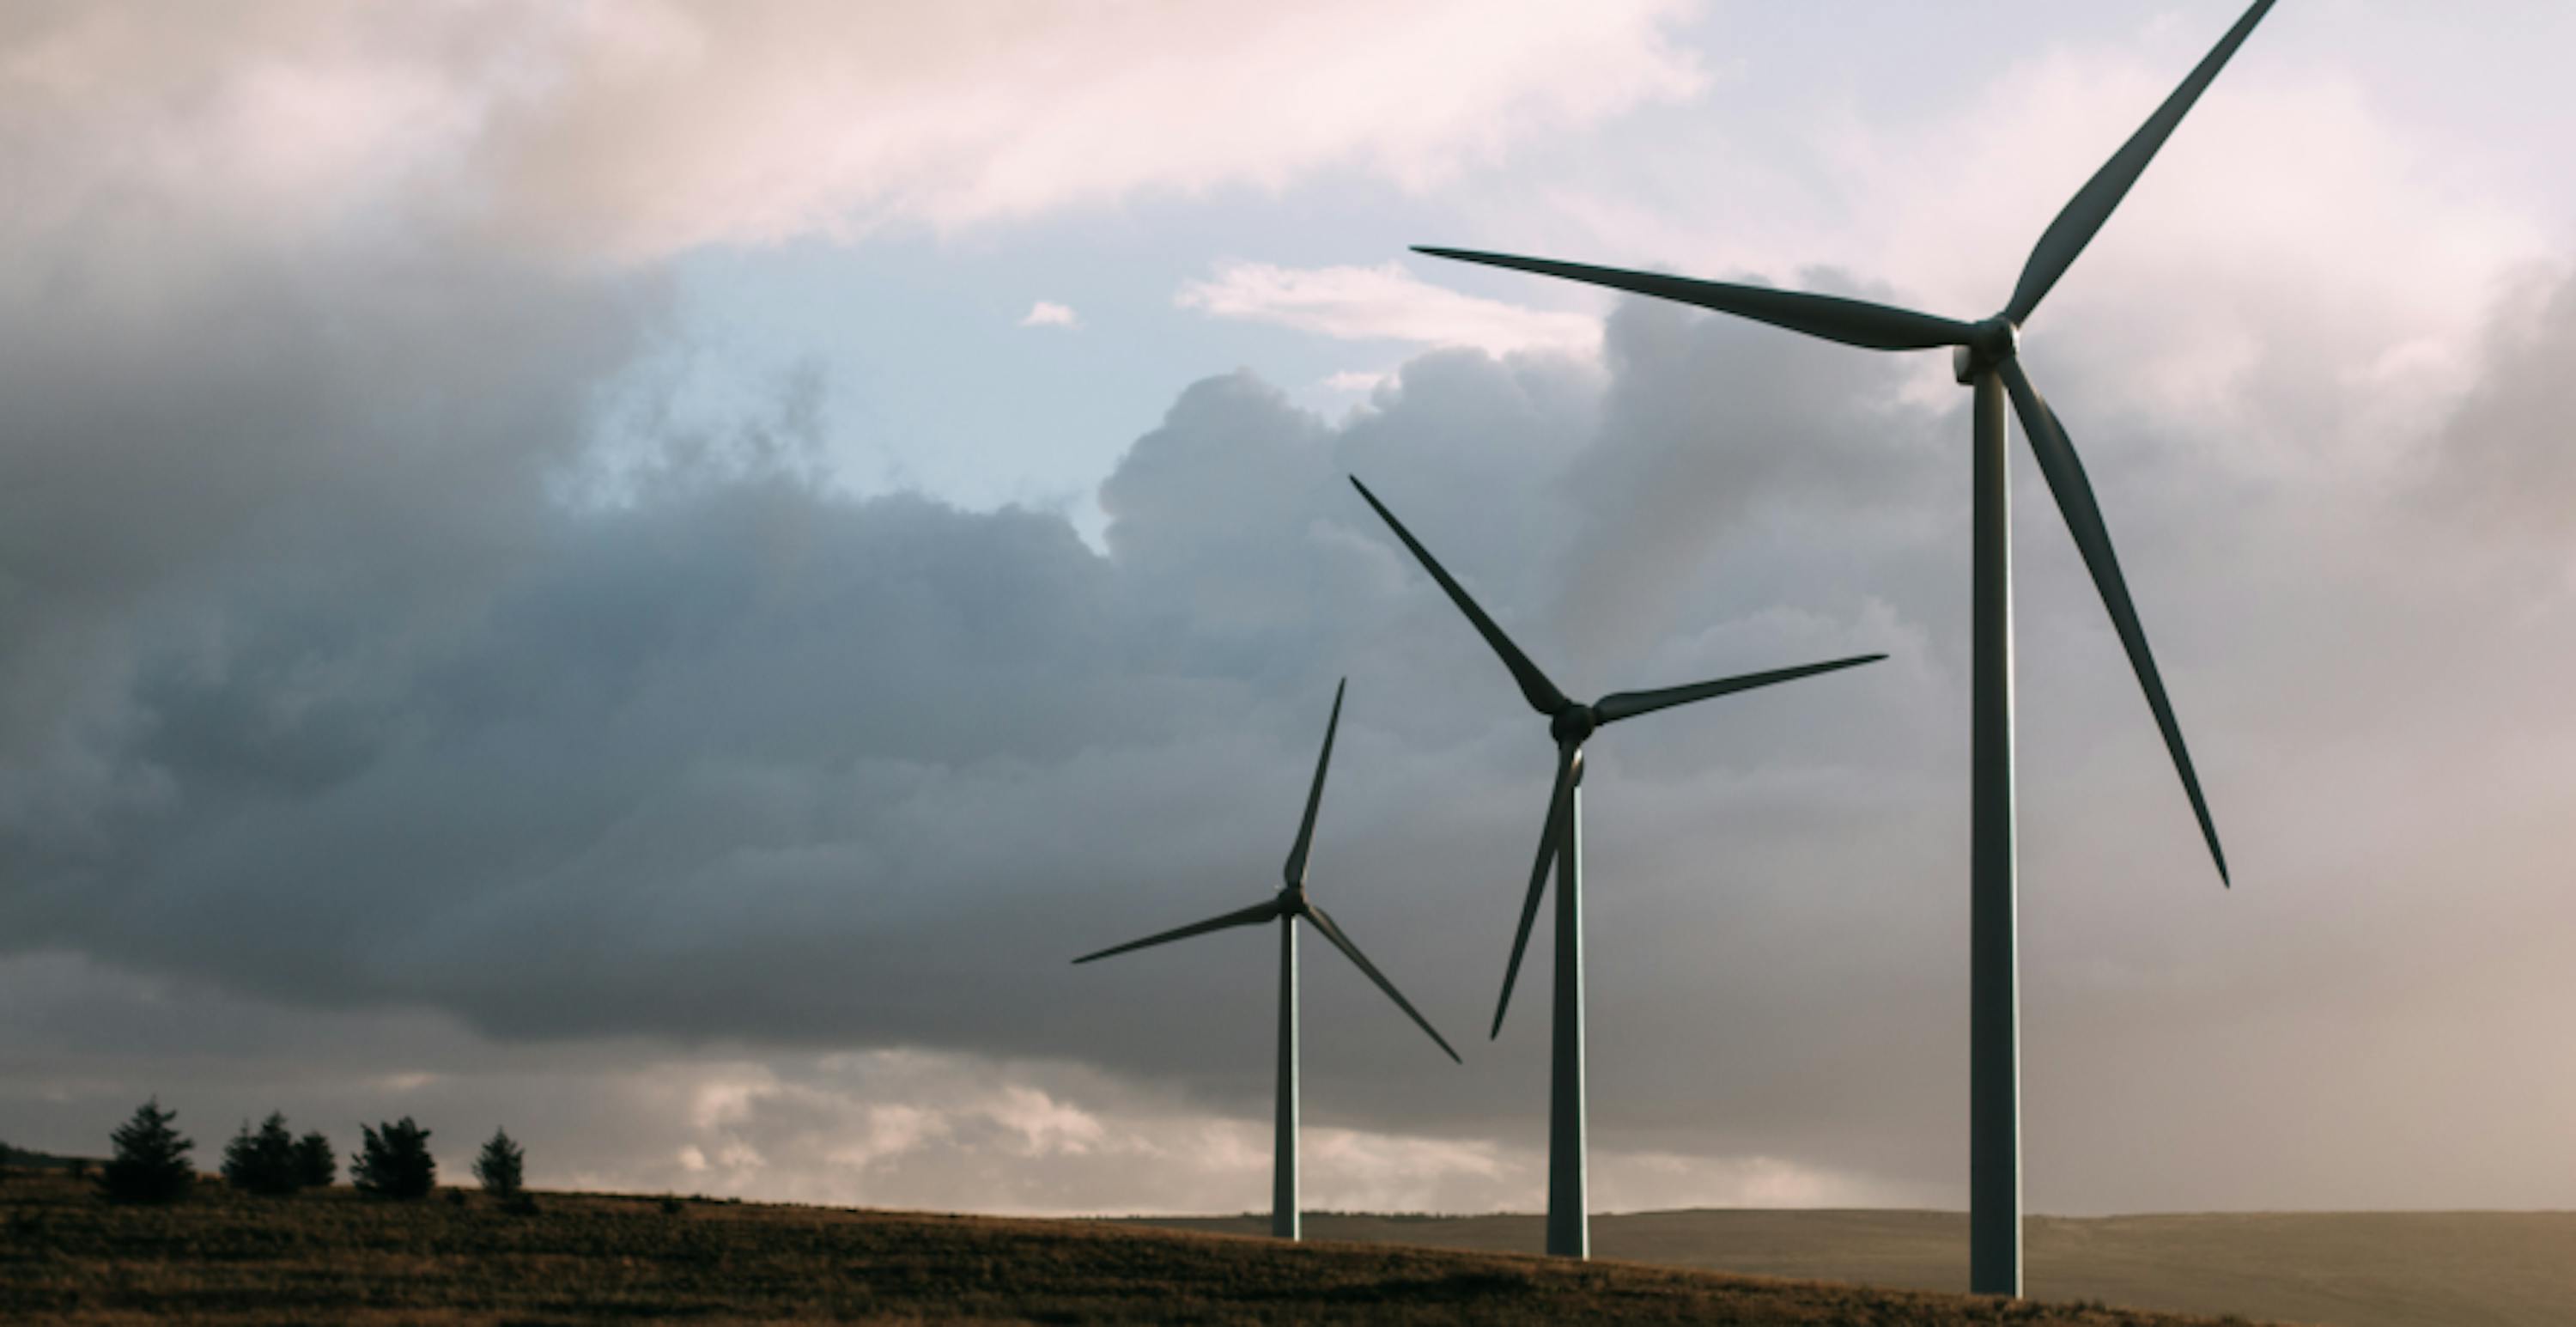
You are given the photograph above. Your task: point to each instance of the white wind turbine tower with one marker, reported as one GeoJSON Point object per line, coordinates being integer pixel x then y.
{"type": "Point", "coordinates": [1986, 359]}
{"type": "Point", "coordinates": [1560, 844]}
{"type": "Point", "coordinates": [1287, 907]}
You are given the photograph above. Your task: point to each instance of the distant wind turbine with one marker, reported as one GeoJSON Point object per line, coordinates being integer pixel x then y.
{"type": "Point", "coordinates": [1287, 906]}
{"type": "Point", "coordinates": [1985, 358]}
{"type": "Point", "coordinates": [1560, 844]}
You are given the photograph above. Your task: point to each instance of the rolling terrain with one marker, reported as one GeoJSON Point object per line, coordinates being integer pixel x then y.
{"type": "Point", "coordinates": [2355, 1269]}
{"type": "Point", "coordinates": [221, 1257]}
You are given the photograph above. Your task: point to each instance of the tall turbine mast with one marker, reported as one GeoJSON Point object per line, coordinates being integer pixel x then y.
{"type": "Point", "coordinates": [1288, 907]}
{"type": "Point", "coordinates": [1986, 358]}
{"type": "Point", "coordinates": [1560, 845]}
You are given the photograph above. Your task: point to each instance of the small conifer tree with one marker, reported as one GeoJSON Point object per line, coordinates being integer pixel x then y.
{"type": "Point", "coordinates": [499, 1165]}
{"type": "Point", "coordinates": [263, 1162]}
{"type": "Point", "coordinates": [394, 1162]}
{"type": "Point", "coordinates": [315, 1163]}
{"type": "Point", "coordinates": [150, 1164]}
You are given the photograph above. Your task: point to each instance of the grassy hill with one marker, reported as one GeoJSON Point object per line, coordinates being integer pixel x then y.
{"type": "Point", "coordinates": [226, 1258]}
{"type": "Point", "coordinates": [2356, 1269]}
{"type": "Point", "coordinates": [15, 1158]}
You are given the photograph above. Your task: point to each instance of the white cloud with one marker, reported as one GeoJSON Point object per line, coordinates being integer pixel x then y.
{"type": "Point", "coordinates": [679, 124]}
{"type": "Point", "coordinates": [914, 1129]}
{"type": "Point", "coordinates": [1046, 313]}
{"type": "Point", "coordinates": [1048, 1139]}
{"type": "Point", "coordinates": [1384, 303]}
{"type": "Point", "coordinates": [2299, 212]}
{"type": "Point", "coordinates": [631, 132]}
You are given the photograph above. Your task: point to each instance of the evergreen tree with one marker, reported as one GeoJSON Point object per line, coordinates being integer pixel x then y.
{"type": "Point", "coordinates": [315, 1163]}
{"type": "Point", "coordinates": [151, 1161]}
{"type": "Point", "coordinates": [263, 1162]}
{"type": "Point", "coordinates": [498, 1167]}
{"type": "Point", "coordinates": [394, 1162]}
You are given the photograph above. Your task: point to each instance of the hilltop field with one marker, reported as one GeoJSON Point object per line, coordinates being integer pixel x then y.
{"type": "Point", "coordinates": [221, 1257]}
{"type": "Point", "coordinates": [2353, 1269]}
{"type": "Point", "coordinates": [334, 1256]}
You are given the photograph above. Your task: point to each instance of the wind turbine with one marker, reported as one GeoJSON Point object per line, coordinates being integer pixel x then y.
{"type": "Point", "coordinates": [1560, 843]}
{"type": "Point", "coordinates": [1287, 906]}
{"type": "Point", "coordinates": [1985, 358]}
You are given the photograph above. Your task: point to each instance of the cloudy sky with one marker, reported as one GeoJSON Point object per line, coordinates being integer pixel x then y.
{"type": "Point", "coordinates": [649, 573]}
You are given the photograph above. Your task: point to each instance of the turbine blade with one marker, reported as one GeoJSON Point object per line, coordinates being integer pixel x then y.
{"type": "Point", "coordinates": [1850, 321]}
{"type": "Point", "coordinates": [1324, 922]}
{"type": "Point", "coordinates": [1548, 840]}
{"type": "Point", "coordinates": [2092, 205]}
{"type": "Point", "coordinates": [2065, 474]}
{"type": "Point", "coordinates": [1296, 870]}
{"type": "Point", "coordinates": [1254, 915]}
{"type": "Point", "coordinates": [1629, 704]}
{"type": "Point", "coordinates": [1535, 688]}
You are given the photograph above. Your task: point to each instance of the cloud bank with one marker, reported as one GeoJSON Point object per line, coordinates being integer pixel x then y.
{"type": "Point", "coordinates": [1385, 303]}
{"type": "Point", "coordinates": [634, 132]}
{"type": "Point", "coordinates": [742, 762]}
{"type": "Point", "coordinates": [362, 711]}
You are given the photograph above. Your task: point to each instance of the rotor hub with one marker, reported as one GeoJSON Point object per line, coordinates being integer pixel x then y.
{"type": "Point", "coordinates": [1573, 723]}
{"type": "Point", "coordinates": [1990, 343]}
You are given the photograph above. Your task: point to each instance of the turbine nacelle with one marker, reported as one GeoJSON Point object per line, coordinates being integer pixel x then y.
{"type": "Point", "coordinates": [1988, 345]}
{"type": "Point", "coordinates": [1988, 348]}
{"type": "Point", "coordinates": [1985, 356]}
{"type": "Point", "coordinates": [1570, 721]}
{"type": "Point", "coordinates": [1289, 905]}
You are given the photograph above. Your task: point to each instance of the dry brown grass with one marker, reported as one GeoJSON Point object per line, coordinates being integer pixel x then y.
{"type": "Point", "coordinates": [222, 1257]}
{"type": "Point", "coordinates": [2353, 1269]}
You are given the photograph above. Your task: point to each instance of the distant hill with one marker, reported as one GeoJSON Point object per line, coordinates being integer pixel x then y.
{"type": "Point", "coordinates": [16, 1158]}
{"type": "Point", "coordinates": [222, 1257]}
{"type": "Point", "coordinates": [2354, 1269]}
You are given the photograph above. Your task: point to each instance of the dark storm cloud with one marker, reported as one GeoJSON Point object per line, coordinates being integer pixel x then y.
{"type": "Point", "coordinates": [1806, 437]}
{"type": "Point", "coordinates": [345, 671]}
{"type": "Point", "coordinates": [366, 713]}
{"type": "Point", "coordinates": [745, 759]}
{"type": "Point", "coordinates": [209, 487]}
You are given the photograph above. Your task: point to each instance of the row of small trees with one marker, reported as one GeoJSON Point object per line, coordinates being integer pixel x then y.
{"type": "Point", "coordinates": [274, 1161]}
{"type": "Point", "coordinates": [150, 1163]}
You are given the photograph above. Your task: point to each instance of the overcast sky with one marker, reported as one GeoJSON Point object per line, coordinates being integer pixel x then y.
{"type": "Point", "coordinates": [647, 574]}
